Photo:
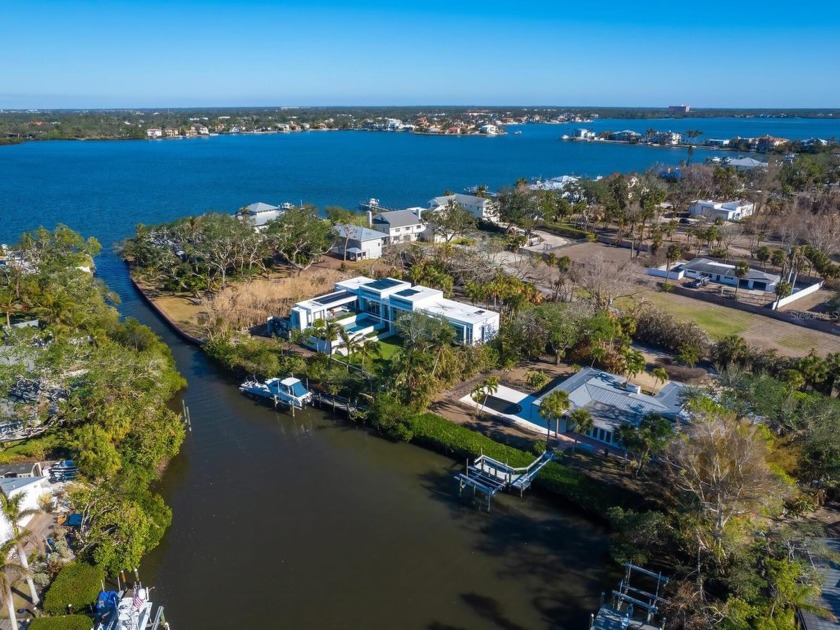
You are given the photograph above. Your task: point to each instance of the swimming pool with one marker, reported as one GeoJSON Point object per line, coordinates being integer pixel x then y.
{"type": "Point", "coordinates": [361, 323]}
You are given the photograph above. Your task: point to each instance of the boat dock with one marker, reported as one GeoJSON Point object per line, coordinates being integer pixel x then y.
{"type": "Point", "coordinates": [630, 606]}
{"type": "Point", "coordinates": [487, 476]}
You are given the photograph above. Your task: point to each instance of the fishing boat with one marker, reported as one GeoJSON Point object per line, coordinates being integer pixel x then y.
{"type": "Point", "coordinates": [130, 609]}
{"type": "Point", "coordinates": [288, 391]}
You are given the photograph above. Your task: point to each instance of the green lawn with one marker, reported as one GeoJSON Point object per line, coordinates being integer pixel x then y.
{"type": "Point", "coordinates": [718, 321]}
{"type": "Point", "coordinates": [388, 347]}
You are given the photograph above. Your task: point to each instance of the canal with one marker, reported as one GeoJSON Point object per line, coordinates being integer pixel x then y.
{"type": "Point", "coordinates": [311, 522]}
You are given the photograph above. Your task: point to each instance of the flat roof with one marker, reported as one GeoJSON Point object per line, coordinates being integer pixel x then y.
{"type": "Point", "coordinates": [458, 311]}
{"type": "Point", "coordinates": [418, 293]}
{"type": "Point", "coordinates": [384, 283]}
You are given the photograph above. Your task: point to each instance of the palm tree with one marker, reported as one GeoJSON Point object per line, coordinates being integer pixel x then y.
{"type": "Point", "coordinates": [329, 332]}
{"type": "Point", "coordinates": [369, 350]}
{"type": "Point", "coordinates": [674, 252]}
{"type": "Point", "coordinates": [581, 421]}
{"type": "Point", "coordinates": [634, 362]}
{"type": "Point", "coordinates": [552, 407]}
{"type": "Point", "coordinates": [488, 387]}
{"type": "Point", "coordinates": [10, 571]}
{"type": "Point", "coordinates": [741, 271]}
{"type": "Point", "coordinates": [351, 343]}
{"type": "Point", "coordinates": [659, 374]}
{"type": "Point", "coordinates": [11, 508]}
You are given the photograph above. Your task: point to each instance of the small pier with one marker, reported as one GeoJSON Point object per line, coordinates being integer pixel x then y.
{"type": "Point", "coordinates": [487, 476]}
{"type": "Point", "coordinates": [631, 606]}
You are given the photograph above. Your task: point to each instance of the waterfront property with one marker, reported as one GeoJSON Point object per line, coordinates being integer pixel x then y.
{"type": "Point", "coordinates": [401, 226]}
{"type": "Point", "coordinates": [367, 307]}
{"type": "Point", "coordinates": [354, 242]}
{"type": "Point", "coordinates": [479, 207]}
{"type": "Point", "coordinates": [726, 210]}
{"type": "Point", "coordinates": [259, 214]}
{"type": "Point", "coordinates": [724, 273]}
{"type": "Point", "coordinates": [744, 164]}
{"type": "Point", "coordinates": [612, 401]}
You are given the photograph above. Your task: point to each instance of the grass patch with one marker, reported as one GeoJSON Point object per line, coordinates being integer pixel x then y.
{"type": "Point", "coordinates": [717, 321]}
{"type": "Point", "coordinates": [389, 347]}
{"type": "Point", "coordinates": [453, 439]}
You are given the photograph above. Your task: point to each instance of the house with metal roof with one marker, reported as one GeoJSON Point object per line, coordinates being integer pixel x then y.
{"type": "Point", "coordinates": [365, 307]}
{"type": "Point", "coordinates": [613, 401]}
{"type": "Point", "coordinates": [480, 207]}
{"type": "Point", "coordinates": [354, 242]}
{"type": "Point", "coordinates": [744, 164]}
{"type": "Point", "coordinates": [724, 273]}
{"type": "Point", "coordinates": [829, 598]}
{"type": "Point", "coordinates": [401, 226]}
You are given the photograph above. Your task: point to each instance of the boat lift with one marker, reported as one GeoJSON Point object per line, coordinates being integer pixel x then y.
{"type": "Point", "coordinates": [487, 476]}
{"type": "Point", "coordinates": [627, 600]}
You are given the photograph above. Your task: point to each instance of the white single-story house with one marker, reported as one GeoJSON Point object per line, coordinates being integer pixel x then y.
{"type": "Point", "coordinates": [354, 242]}
{"type": "Point", "coordinates": [612, 403]}
{"type": "Point", "coordinates": [479, 207]}
{"type": "Point", "coordinates": [401, 226]}
{"type": "Point", "coordinates": [744, 164]}
{"type": "Point", "coordinates": [364, 306]}
{"type": "Point", "coordinates": [259, 214]}
{"type": "Point", "coordinates": [726, 210]}
{"type": "Point", "coordinates": [724, 273]}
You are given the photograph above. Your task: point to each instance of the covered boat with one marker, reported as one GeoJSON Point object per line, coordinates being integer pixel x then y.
{"type": "Point", "coordinates": [289, 391]}
{"type": "Point", "coordinates": [129, 610]}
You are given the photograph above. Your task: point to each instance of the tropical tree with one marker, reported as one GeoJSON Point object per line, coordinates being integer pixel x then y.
{"type": "Point", "coordinates": [646, 440]}
{"type": "Point", "coordinates": [552, 408]}
{"type": "Point", "coordinates": [659, 374]}
{"type": "Point", "coordinates": [783, 290]}
{"type": "Point", "coordinates": [741, 271]}
{"type": "Point", "coordinates": [536, 379]}
{"type": "Point", "coordinates": [763, 255]}
{"type": "Point", "coordinates": [327, 331]}
{"type": "Point", "coordinates": [483, 390]}
{"type": "Point", "coordinates": [14, 512]}
{"type": "Point", "coordinates": [674, 252]}
{"type": "Point", "coordinates": [450, 221]}
{"type": "Point", "coordinates": [580, 420]}
{"type": "Point", "coordinates": [350, 342]}
{"type": "Point", "coordinates": [634, 362]}
{"type": "Point", "coordinates": [10, 572]}
{"type": "Point", "coordinates": [368, 350]}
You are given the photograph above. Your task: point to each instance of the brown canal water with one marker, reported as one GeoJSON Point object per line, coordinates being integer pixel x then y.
{"type": "Point", "coordinates": [311, 522]}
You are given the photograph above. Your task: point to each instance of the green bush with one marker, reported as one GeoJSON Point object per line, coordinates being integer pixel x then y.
{"type": "Point", "coordinates": [453, 439]}
{"type": "Point", "coordinates": [564, 229]}
{"type": "Point", "coordinates": [77, 584]}
{"type": "Point", "coordinates": [67, 622]}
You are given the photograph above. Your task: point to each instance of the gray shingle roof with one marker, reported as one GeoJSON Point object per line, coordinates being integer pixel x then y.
{"type": "Point", "coordinates": [712, 267]}
{"type": "Point", "coordinates": [398, 218]}
{"type": "Point", "coordinates": [358, 233]}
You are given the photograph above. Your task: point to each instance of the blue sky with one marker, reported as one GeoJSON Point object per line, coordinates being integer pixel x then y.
{"type": "Point", "coordinates": [178, 54]}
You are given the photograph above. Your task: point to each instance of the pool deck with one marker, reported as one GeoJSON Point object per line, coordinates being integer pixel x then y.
{"type": "Point", "coordinates": [523, 419]}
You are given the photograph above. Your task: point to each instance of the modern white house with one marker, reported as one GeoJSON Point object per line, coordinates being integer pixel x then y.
{"type": "Point", "coordinates": [726, 210]}
{"type": "Point", "coordinates": [32, 489]}
{"type": "Point", "coordinates": [666, 137]}
{"type": "Point", "coordinates": [401, 226]}
{"type": "Point", "coordinates": [479, 207]}
{"type": "Point", "coordinates": [354, 242]}
{"type": "Point", "coordinates": [612, 402]}
{"type": "Point", "coordinates": [724, 273]}
{"type": "Point", "coordinates": [259, 214]}
{"type": "Point", "coordinates": [490, 130]}
{"type": "Point", "coordinates": [366, 307]}
{"type": "Point", "coordinates": [154, 132]}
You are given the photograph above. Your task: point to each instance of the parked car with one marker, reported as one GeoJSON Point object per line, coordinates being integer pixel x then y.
{"type": "Point", "coordinates": [698, 282]}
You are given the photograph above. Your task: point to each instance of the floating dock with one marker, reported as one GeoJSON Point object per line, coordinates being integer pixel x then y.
{"type": "Point", "coordinates": [487, 476]}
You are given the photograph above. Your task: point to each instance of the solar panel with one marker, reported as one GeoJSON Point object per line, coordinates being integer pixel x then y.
{"type": "Point", "coordinates": [384, 283]}
{"type": "Point", "coordinates": [332, 298]}
{"type": "Point", "coordinates": [407, 292]}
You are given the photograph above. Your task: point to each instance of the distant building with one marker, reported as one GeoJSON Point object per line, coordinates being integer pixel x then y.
{"type": "Point", "coordinates": [490, 130]}
{"type": "Point", "coordinates": [744, 164]}
{"type": "Point", "coordinates": [169, 132]}
{"type": "Point", "coordinates": [679, 109]}
{"type": "Point", "coordinates": [667, 137]}
{"type": "Point", "coordinates": [626, 135]}
{"type": "Point", "coordinates": [154, 132]}
{"type": "Point", "coordinates": [401, 226]}
{"type": "Point", "coordinates": [612, 402]}
{"type": "Point", "coordinates": [479, 207]}
{"type": "Point", "coordinates": [724, 273]}
{"type": "Point", "coordinates": [584, 134]}
{"type": "Point", "coordinates": [354, 242]}
{"type": "Point", "coordinates": [259, 214]}
{"type": "Point", "coordinates": [726, 210]}
{"type": "Point", "coordinates": [767, 143]}
{"type": "Point", "coordinates": [716, 142]}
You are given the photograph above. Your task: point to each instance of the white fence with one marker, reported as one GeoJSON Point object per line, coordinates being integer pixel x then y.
{"type": "Point", "coordinates": [798, 294]}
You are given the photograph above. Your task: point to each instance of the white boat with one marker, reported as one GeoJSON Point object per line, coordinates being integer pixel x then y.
{"type": "Point", "coordinates": [371, 204]}
{"type": "Point", "coordinates": [129, 610]}
{"type": "Point", "coordinates": [289, 391]}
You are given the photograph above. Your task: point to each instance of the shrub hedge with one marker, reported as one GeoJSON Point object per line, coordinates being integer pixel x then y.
{"type": "Point", "coordinates": [589, 494]}
{"type": "Point", "coordinates": [77, 584]}
{"type": "Point", "coordinates": [65, 622]}
{"type": "Point", "coordinates": [564, 229]}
